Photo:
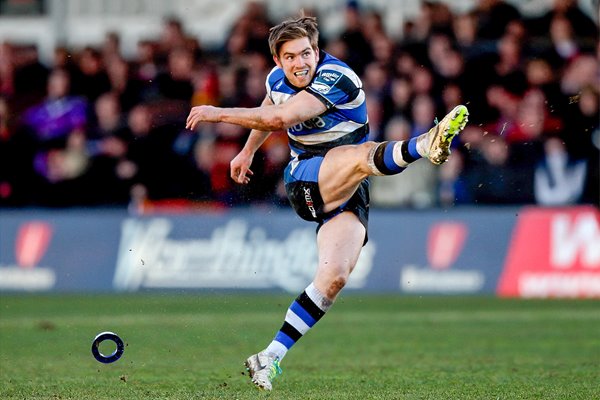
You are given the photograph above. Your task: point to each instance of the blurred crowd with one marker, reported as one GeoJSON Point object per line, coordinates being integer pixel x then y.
{"type": "Point", "coordinates": [95, 128]}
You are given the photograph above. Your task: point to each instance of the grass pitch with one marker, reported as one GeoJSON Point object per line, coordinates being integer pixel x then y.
{"type": "Point", "coordinates": [191, 346]}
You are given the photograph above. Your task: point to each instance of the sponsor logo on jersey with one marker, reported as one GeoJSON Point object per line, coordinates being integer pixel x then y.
{"type": "Point", "coordinates": [325, 81]}
{"type": "Point", "coordinates": [330, 76]}
{"type": "Point", "coordinates": [320, 87]}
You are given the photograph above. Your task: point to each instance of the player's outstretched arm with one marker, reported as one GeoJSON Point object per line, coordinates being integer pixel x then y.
{"type": "Point", "coordinates": [240, 165]}
{"type": "Point", "coordinates": [268, 117]}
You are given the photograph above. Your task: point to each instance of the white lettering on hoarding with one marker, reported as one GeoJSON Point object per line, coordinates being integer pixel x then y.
{"type": "Point", "coordinates": [572, 238]}
{"type": "Point", "coordinates": [234, 256]}
{"type": "Point", "coordinates": [415, 279]}
{"type": "Point", "coordinates": [559, 285]}
{"type": "Point", "coordinates": [12, 277]}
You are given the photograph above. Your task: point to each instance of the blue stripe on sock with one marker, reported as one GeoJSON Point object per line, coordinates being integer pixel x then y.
{"type": "Point", "coordinates": [412, 148]}
{"type": "Point", "coordinates": [303, 314]}
{"type": "Point", "coordinates": [284, 339]}
{"type": "Point", "coordinates": [388, 158]}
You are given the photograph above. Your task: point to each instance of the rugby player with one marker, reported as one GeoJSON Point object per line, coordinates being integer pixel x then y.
{"type": "Point", "coordinates": [319, 100]}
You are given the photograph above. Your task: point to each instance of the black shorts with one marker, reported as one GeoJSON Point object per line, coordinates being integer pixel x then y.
{"type": "Point", "coordinates": [304, 195]}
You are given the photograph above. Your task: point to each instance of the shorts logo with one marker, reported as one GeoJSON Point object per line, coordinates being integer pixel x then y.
{"type": "Point", "coordinates": [309, 202]}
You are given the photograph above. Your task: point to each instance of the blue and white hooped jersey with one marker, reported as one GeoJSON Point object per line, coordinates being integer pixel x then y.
{"type": "Point", "coordinates": [340, 89]}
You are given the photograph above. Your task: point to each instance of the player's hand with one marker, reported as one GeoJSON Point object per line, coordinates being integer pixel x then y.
{"type": "Point", "coordinates": [201, 114]}
{"type": "Point", "coordinates": [240, 168]}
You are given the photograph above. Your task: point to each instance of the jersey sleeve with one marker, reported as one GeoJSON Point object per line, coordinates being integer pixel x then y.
{"type": "Point", "coordinates": [335, 85]}
{"type": "Point", "coordinates": [270, 82]}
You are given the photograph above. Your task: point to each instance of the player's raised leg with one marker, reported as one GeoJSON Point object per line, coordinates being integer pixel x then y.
{"type": "Point", "coordinates": [435, 144]}
{"type": "Point", "coordinates": [344, 167]}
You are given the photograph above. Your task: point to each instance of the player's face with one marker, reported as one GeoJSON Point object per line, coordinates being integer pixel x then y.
{"type": "Point", "coordinates": [298, 61]}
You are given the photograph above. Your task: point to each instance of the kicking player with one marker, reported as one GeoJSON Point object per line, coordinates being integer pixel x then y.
{"type": "Point", "coordinates": [320, 101]}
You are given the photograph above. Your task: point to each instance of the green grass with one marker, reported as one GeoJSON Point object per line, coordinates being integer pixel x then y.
{"type": "Point", "coordinates": [191, 346]}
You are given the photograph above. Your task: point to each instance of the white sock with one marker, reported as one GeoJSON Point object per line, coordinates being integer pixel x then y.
{"type": "Point", "coordinates": [295, 324]}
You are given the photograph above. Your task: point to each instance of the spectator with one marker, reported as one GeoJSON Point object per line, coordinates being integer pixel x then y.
{"type": "Point", "coordinates": [452, 188]}
{"type": "Point", "coordinates": [506, 106]}
{"type": "Point", "coordinates": [30, 75]}
{"type": "Point", "coordinates": [128, 88]}
{"type": "Point", "coordinates": [57, 127]}
{"type": "Point", "coordinates": [451, 94]}
{"type": "Point", "coordinates": [92, 79]}
{"type": "Point", "coordinates": [276, 155]}
{"type": "Point", "coordinates": [372, 25]}
{"type": "Point", "coordinates": [155, 156]}
{"type": "Point", "coordinates": [464, 28]}
{"type": "Point", "coordinates": [111, 47]}
{"type": "Point", "coordinates": [539, 74]}
{"type": "Point", "coordinates": [415, 187]}
{"type": "Point", "coordinates": [59, 114]}
{"type": "Point", "coordinates": [493, 17]}
{"type": "Point", "coordinates": [563, 46]}
{"type": "Point", "coordinates": [225, 148]}
{"type": "Point", "coordinates": [423, 113]}
{"type": "Point", "coordinates": [248, 35]}
{"type": "Point", "coordinates": [533, 119]}
{"type": "Point", "coordinates": [383, 50]}
{"type": "Point", "coordinates": [205, 80]}
{"type": "Point", "coordinates": [7, 70]}
{"type": "Point", "coordinates": [107, 146]}
{"type": "Point", "coordinates": [433, 17]}
{"type": "Point", "coordinates": [359, 49]}
{"type": "Point", "coordinates": [493, 179]}
{"type": "Point", "coordinates": [527, 82]}
{"type": "Point", "coordinates": [172, 36]}
{"type": "Point", "coordinates": [423, 81]}
{"type": "Point", "coordinates": [375, 112]}
{"type": "Point", "coordinates": [584, 29]}
{"type": "Point", "coordinates": [16, 160]}
{"type": "Point", "coordinates": [582, 138]}
{"type": "Point", "coordinates": [375, 80]}
{"type": "Point", "coordinates": [176, 82]}
{"type": "Point", "coordinates": [22, 75]}
{"type": "Point", "coordinates": [146, 65]}
{"type": "Point", "coordinates": [508, 69]}
{"type": "Point", "coordinates": [398, 98]}
{"type": "Point", "coordinates": [579, 72]}
{"type": "Point", "coordinates": [559, 180]}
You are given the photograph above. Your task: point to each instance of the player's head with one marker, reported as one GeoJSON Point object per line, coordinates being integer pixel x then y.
{"type": "Point", "coordinates": [294, 46]}
{"type": "Point", "coordinates": [295, 28]}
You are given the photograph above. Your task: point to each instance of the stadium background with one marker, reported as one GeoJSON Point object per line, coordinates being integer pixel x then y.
{"type": "Point", "coordinates": [113, 217]}
{"type": "Point", "coordinates": [94, 95]}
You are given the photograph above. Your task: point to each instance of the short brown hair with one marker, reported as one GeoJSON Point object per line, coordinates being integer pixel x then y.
{"type": "Point", "coordinates": [291, 29]}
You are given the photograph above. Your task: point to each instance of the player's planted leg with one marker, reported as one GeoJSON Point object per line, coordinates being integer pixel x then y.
{"type": "Point", "coordinates": [263, 368]}
{"type": "Point", "coordinates": [303, 313]}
